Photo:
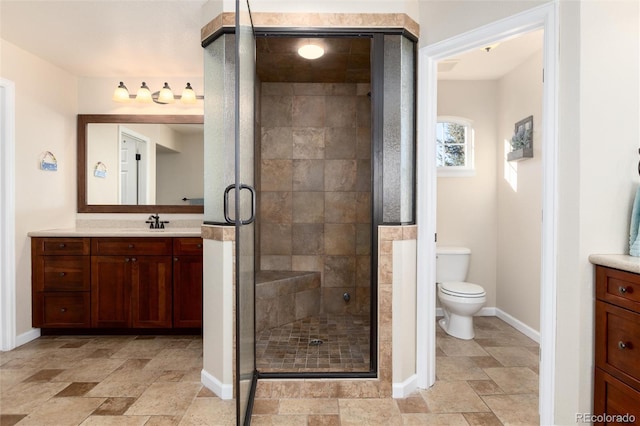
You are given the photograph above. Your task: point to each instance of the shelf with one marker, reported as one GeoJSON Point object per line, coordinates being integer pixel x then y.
{"type": "Point", "coordinates": [520, 154]}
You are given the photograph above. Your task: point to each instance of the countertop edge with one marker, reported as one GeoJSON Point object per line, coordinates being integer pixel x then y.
{"type": "Point", "coordinates": [623, 262]}
{"type": "Point", "coordinates": [106, 232]}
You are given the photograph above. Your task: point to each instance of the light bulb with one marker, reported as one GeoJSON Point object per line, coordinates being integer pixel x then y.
{"type": "Point", "coordinates": [166, 95]}
{"type": "Point", "coordinates": [310, 51]}
{"type": "Point", "coordinates": [144, 94]}
{"type": "Point", "coordinates": [121, 94]}
{"type": "Point", "coordinates": [188, 95]}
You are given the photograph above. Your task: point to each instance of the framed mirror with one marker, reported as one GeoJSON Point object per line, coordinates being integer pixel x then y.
{"type": "Point", "coordinates": [140, 163]}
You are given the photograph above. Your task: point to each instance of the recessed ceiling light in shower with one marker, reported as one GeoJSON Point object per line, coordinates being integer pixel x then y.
{"type": "Point", "coordinates": [310, 51]}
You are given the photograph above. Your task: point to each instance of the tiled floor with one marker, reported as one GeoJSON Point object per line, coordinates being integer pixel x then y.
{"type": "Point", "coordinates": [290, 348]}
{"type": "Point", "coordinates": [156, 381]}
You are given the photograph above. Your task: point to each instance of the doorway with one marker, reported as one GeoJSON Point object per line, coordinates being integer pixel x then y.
{"type": "Point", "coordinates": [133, 165]}
{"type": "Point", "coordinates": [314, 245]}
{"type": "Point", "coordinates": [7, 216]}
{"type": "Point", "coordinates": [542, 17]}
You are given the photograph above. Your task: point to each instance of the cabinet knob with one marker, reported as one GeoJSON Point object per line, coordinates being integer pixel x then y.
{"type": "Point", "coordinates": [62, 274]}
{"type": "Point", "coordinates": [133, 259]}
{"type": "Point", "coordinates": [61, 245]}
{"type": "Point", "coordinates": [130, 245]}
{"type": "Point", "coordinates": [175, 259]}
{"type": "Point", "coordinates": [622, 345]}
{"type": "Point", "coordinates": [126, 259]}
{"type": "Point", "coordinates": [199, 245]}
{"type": "Point", "coordinates": [63, 310]}
{"type": "Point", "coordinates": [622, 290]}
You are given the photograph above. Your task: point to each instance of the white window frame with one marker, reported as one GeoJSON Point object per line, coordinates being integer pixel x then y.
{"type": "Point", "coordinates": [469, 152]}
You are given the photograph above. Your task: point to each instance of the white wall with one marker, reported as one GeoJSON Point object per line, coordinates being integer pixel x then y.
{"type": "Point", "coordinates": [46, 104]}
{"type": "Point", "coordinates": [520, 196]}
{"type": "Point", "coordinates": [467, 213]}
{"type": "Point", "coordinates": [180, 174]}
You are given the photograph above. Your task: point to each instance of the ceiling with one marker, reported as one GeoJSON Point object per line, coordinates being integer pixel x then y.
{"type": "Point", "coordinates": [480, 64]}
{"type": "Point", "coordinates": [346, 60]}
{"type": "Point", "coordinates": [158, 38]}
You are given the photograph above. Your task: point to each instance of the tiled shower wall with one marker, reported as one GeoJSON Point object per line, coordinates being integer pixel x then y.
{"type": "Point", "coordinates": [315, 187]}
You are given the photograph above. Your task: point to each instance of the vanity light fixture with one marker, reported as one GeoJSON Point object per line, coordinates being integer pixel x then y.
{"type": "Point", "coordinates": [164, 96]}
{"type": "Point", "coordinates": [310, 51]}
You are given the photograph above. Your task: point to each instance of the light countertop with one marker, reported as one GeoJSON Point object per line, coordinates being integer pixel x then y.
{"type": "Point", "coordinates": [117, 232]}
{"type": "Point", "coordinates": [618, 261]}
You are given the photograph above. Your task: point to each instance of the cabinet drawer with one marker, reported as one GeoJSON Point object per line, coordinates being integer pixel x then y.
{"type": "Point", "coordinates": [131, 246]}
{"type": "Point", "coordinates": [62, 309]}
{"type": "Point", "coordinates": [618, 287]}
{"type": "Point", "coordinates": [60, 246]}
{"type": "Point", "coordinates": [63, 273]}
{"type": "Point", "coordinates": [613, 398]}
{"type": "Point", "coordinates": [618, 342]}
{"type": "Point", "coordinates": [187, 246]}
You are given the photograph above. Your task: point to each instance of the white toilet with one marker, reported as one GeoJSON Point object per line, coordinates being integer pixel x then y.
{"type": "Point", "coordinates": [460, 300]}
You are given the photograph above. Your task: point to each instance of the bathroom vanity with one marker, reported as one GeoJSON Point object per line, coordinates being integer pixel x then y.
{"type": "Point", "coordinates": [617, 336]}
{"type": "Point", "coordinates": [106, 279]}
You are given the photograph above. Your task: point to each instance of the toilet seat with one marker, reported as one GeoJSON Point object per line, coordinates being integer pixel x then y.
{"type": "Point", "coordinates": [462, 289]}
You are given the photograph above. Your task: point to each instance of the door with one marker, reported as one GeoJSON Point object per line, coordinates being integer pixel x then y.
{"type": "Point", "coordinates": [110, 291]}
{"type": "Point", "coordinates": [133, 169]}
{"type": "Point", "coordinates": [245, 208]}
{"type": "Point", "coordinates": [151, 292]}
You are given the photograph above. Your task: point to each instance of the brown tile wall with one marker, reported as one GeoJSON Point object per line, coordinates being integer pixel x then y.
{"type": "Point", "coordinates": [315, 187]}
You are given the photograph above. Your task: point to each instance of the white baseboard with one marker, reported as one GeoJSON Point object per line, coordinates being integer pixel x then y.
{"type": "Point", "coordinates": [223, 391]}
{"type": "Point", "coordinates": [512, 321]}
{"type": "Point", "coordinates": [519, 325]}
{"type": "Point", "coordinates": [28, 336]}
{"type": "Point", "coordinates": [406, 388]}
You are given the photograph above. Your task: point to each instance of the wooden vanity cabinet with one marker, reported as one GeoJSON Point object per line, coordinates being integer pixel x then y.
{"type": "Point", "coordinates": [131, 282]}
{"type": "Point", "coordinates": [61, 282]}
{"type": "Point", "coordinates": [617, 343]}
{"type": "Point", "coordinates": [113, 282]}
{"type": "Point", "coordinates": [187, 282]}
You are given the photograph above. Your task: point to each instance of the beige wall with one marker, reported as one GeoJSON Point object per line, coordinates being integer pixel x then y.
{"type": "Point", "coordinates": [467, 213]}
{"type": "Point", "coordinates": [46, 104]}
{"type": "Point", "coordinates": [520, 196]}
{"type": "Point", "coordinates": [596, 179]}
{"type": "Point", "coordinates": [442, 19]}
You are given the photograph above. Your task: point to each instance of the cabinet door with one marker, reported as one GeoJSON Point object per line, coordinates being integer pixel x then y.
{"type": "Point", "coordinates": [187, 291]}
{"type": "Point", "coordinates": [111, 291]}
{"type": "Point", "coordinates": [151, 292]}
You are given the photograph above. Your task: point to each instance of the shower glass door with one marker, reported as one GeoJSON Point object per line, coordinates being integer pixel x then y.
{"type": "Point", "coordinates": [244, 198]}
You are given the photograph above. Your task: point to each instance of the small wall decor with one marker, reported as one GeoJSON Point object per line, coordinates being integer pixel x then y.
{"type": "Point", "coordinates": [522, 140]}
{"type": "Point", "coordinates": [49, 162]}
{"type": "Point", "coordinates": [100, 170]}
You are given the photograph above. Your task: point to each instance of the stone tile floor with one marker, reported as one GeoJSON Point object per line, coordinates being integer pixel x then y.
{"type": "Point", "coordinates": [155, 380]}
{"type": "Point", "coordinates": [344, 347]}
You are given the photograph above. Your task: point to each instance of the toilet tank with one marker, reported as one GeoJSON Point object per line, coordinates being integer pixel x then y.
{"type": "Point", "coordinates": [452, 263]}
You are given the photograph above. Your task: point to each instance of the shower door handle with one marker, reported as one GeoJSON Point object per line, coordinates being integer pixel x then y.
{"type": "Point", "coordinates": [252, 191]}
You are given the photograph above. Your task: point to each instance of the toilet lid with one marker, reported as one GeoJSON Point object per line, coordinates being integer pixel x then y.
{"type": "Point", "coordinates": [463, 289]}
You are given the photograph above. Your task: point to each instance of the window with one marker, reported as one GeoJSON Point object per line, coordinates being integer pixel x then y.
{"type": "Point", "coordinates": [454, 147]}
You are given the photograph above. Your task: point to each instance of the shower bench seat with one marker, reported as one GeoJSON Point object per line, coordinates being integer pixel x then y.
{"type": "Point", "coordinates": [283, 297]}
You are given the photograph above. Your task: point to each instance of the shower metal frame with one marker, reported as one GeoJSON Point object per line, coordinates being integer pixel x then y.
{"type": "Point", "coordinates": [377, 126]}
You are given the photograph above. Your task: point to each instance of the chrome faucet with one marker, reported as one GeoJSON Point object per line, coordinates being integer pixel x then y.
{"type": "Point", "coordinates": [155, 222]}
